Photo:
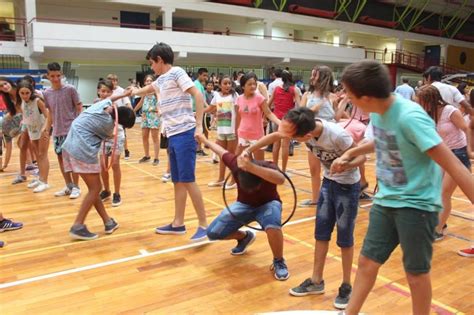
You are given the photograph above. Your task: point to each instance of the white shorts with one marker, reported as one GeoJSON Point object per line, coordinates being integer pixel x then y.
{"type": "Point", "coordinates": [246, 143]}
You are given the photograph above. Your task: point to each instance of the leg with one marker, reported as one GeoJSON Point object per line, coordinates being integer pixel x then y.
{"type": "Point", "coordinates": [276, 151]}
{"type": "Point", "coordinates": [285, 153]}
{"type": "Point", "coordinates": [43, 160]}
{"type": "Point", "coordinates": [449, 185]}
{"type": "Point", "coordinates": [8, 153]}
{"type": "Point", "coordinates": [180, 195]}
{"type": "Point", "coordinates": [91, 198]}
{"type": "Point", "coordinates": [146, 142]}
{"type": "Point", "coordinates": [117, 173]}
{"type": "Point", "coordinates": [23, 143]}
{"type": "Point", "coordinates": [315, 171]}
{"type": "Point", "coordinates": [275, 240]}
{"type": "Point", "coordinates": [320, 253]}
{"type": "Point", "coordinates": [104, 174]}
{"type": "Point", "coordinates": [155, 136]}
{"type": "Point", "coordinates": [347, 254]}
{"type": "Point", "coordinates": [198, 203]}
{"type": "Point", "coordinates": [222, 143]}
{"type": "Point", "coordinates": [420, 289]}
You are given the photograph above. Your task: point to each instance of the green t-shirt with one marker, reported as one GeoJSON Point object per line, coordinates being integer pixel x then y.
{"type": "Point", "coordinates": [201, 89]}
{"type": "Point", "coordinates": [407, 176]}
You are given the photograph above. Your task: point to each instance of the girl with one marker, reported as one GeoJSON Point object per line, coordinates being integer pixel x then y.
{"type": "Point", "coordinates": [251, 107]}
{"type": "Point", "coordinates": [105, 90]}
{"type": "Point", "coordinates": [322, 101]}
{"type": "Point", "coordinates": [80, 150]}
{"type": "Point", "coordinates": [454, 131]}
{"type": "Point", "coordinates": [284, 99]}
{"type": "Point", "coordinates": [223, 105]}
{"type": "Point", "coordinates": [150, 122]}
{"type": "Point", "coordinates": [38, 124]}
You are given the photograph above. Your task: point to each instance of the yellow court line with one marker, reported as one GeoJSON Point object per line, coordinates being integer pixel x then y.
{"type": "Point", "coordinates": [381, 278]}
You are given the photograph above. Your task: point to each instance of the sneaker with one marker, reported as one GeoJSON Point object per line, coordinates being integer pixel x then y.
{"type": "Point", "coordinates": [229, 187]}
{"type": "Point", "coordinates": [342, 299]}
{"type": "Point", "coordinates": [31, 167]}
{"type": "Point", "coordinates": [166, 177]}
{"type": "Point", "coordinates": [116, 200]}
{"type": "Point", "coordinates": [438, 236]}
{"type": "Point", "coordinates": [127, 155]}
{"type": "Point", "coordinates": [144, 159]}
{"type": "Point", "coordinates": [156, 162]}
{"type": "Point", "coordinates": [75, 193]}
{"type": "Point", "coordinates": [41, 187]}
{"type": "Point", "coordinates": [19, 179]}
{"type": "Point", "coordinates": [105, 194]}
{"type": "Point", "coordinates": [80, 232]}
{"type": "Point", "coordinates": [280, 268]}
{"type": "Point", "coordinates": [468, 252]}
{"type": "Point", "coordinates": [200, 235]}
{"type": "Point", "coordinates": [2, 244]}
{"type": "Point", "coordinates": [364, 196]}
{"type": "Point", "coordinates": [307, 203]}
{"type": "Point", "coordinates": [201, 153]}
{"type": "Point", "coordinates": [216, 184]}
{"type": "Point", "coordinates": [111, 226]}
{"type": "Point", "coordinates": [308, 287]}
{"type": "Point", "coordinates": [243, 244]}
{"type": "Point", "coordinates": [9, 225]}
{"type": "Point", "coordinates": [215, 158]}
{"type": "Point", "coordinates": [169, 229]}
{"type": "Point", "coordinates": [63, 192]}
{"type": "Point", "coordinates": [34, 183]}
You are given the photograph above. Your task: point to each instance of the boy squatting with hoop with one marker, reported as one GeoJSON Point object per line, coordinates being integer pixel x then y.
{"type": "Point", "coordinates": [339, 197]}
{"type": "Point", "coordinates": [257, 200]}
{"type": "Point", "coordinates": [80, 150]}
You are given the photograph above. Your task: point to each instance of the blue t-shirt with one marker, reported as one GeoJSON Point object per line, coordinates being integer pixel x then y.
{"type": "Point", "coordinates": [88, 131]}
{"type": "Point", "coordinates": [407, 176]}
{"type": "Point", "coordinates": [405, 90]}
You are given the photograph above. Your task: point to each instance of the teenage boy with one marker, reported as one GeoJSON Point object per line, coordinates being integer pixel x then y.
{"type": "Point", "coordinates": [339, 196]}
{"type": "Point", "coordinates": [64, 106]}
{"type": "Point", "coordinates": [175, 89]}
{"type": "Point", "coordinates": [405, 209]}
{"type": "Point", "coordinates": [257, 200]}
{"type": "Point", "coordinates": [200, 83]}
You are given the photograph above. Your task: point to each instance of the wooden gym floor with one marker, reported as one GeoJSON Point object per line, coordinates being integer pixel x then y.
{"type": "Point", "coordinates": [135, 271]}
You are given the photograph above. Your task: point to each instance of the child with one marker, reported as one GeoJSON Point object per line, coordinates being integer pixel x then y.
{"type": "Point", "coordinates": [80, 150]}
{"type": "Point", "coordinates": [105, 90]}
{"type": "Point", "coordinates": [62, 101]}
{"type": "Point", "coordinates": [339, 195]}
{"type": "Point", "coordinates": [175, 89]}
{"type": "Point", "coordinates": [223, 104]}
{"type": "Point", "coordinates": [408, 201]}
{"type": "Point", "coordinates": [37, 122]}
{"type": "Point", "coordinates": [257, 200]}
{"type": "Point", "coordinates": [150, 122]}
{"type": "Point", "coordinates": [455, 134]}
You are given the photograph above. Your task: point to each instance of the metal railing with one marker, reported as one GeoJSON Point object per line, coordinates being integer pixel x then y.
{"type": "Point", "coordinates": [12, 29]}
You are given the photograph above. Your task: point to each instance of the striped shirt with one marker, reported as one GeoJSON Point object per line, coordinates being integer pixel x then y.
{"type": "Point", "coordinates": [175, 104]}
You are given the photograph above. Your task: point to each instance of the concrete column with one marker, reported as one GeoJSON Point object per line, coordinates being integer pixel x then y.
{"type": "Point", "coordinates": [30, 10]}
{"type": "Point", "coordinates": [342, 37]}
{"type": "Point", "coordinates": [167, 17]}
{"type": "Point", "coordinates": [267, 29]}
{"type": "Point", "coordinates": [33, 63]}
{"type": "Point", "coordinates": [443, 52]}
{"type": "Point", "coordinates": [399, 44]}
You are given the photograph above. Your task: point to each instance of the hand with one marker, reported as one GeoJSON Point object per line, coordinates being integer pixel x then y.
{"type": "Point", "coordinates": [244, 162]}
{"type": "Point", "coordinates": [246, 153]}
{"type": "Point", "coordinates": [45, 134]}
{"type": "Point", "coordinates": [200, 137]}
{"type": "Point", "coordinates": [131, 91]}
{"type": "Point", "coordinates": [198, 131]}
{"type": "Point", "coordinates": [339, 165]}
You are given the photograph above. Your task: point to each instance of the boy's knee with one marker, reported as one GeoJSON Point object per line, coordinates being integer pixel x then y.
{"type": "Point", "coordinates": [213, 235]}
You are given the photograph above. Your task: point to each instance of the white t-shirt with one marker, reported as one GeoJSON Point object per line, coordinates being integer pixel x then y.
{"type": "Point", "coordinates": [124, 100]}
{"type": "Point", "coordinates": [225, 112]}
{"type": "Point", "coordinates": [330, 145]}
{"type": "Point", "coordinates": [454, 137]}
{"type": "Point", "coordinates": [272, 86]}
{"type": "Point", "coordinates": [449, 93]}
{"type": "Point", "coordinates": [176, 106]}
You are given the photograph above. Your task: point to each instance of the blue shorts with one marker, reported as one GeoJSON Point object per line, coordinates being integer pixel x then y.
{"type": "Point", "coordinates": [182, 155]}
{"type": "Point", "coordinates": [337, 205]}
{"type": "Point", "coordinates": [462, 155]}
{"type": "Point", "coordinates": [267, 215]}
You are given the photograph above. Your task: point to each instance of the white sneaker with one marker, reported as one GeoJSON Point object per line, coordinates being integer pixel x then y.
{"type": "Point", "coordinates": [63, 192]}
{"type": "Point", "coordinates": [75, 193]}
{"type": "Point", "coordinates": [41, 187]}
{"type": "Point", "coordinates": [34, 183]}
{"type": "Point", "coordinates": [166, 177]}
{"type": "Point", "coordinates": [229, 187]}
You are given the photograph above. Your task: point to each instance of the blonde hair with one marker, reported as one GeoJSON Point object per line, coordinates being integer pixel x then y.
{"type": "Point", "coordinates": [325, 81]}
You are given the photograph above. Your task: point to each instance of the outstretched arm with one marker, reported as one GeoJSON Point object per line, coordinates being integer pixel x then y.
{"type": "Point", "coordinates": [117, 97]}
{"type": "Point", "coordinates": [217, 149]}
{"type": "Point", "coordinates": [268, 139]}
{"type": "Point", "coordinates": [143, 91]}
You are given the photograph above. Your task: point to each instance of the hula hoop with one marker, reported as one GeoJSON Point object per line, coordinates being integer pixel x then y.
{"type": "Point", "coordinates": [114, 145]}
{"type": "Point", "coordinates": [252, 227]}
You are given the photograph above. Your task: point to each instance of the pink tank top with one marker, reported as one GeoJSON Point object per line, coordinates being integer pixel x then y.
{"type": "Point", "coordinates": [251, 120]}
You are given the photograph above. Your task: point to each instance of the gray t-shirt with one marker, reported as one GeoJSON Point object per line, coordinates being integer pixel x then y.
{"type": "Point", "coordinates": [62, 105]}
{"type": "Point", "coordinates": [330, 145]}
{"type": "Point", "coordinates": [88, 131]}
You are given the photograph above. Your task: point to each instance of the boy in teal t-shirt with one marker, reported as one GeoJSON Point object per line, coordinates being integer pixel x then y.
{"type": "Point", "coordinates": [405, 209]}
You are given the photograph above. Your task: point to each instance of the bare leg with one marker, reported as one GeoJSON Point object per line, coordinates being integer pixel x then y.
{"type": "Point", "coordinates": [315, 170]}
{"type": "Point", "coordinates": [320, 253]}
{"type": "Point", "coordinates": [91, 198]}
{"type": "Point", "coordinates": [104, 174]}
{"type": "Point", "coordinates": [180, 196]}
{"type": "Point", "coordinates": [275, 239]}
{"type": "Point", "coordinates": [221, 163]}
{"type": "Point", "coordinates": [420, 289]}
{"type": "Point", "coordinates": [449, 185]}
{"type": "Point", "coordinates": [285, 153]}
{"type": "Point", "coordinates": [117, 174]}
{"type": "Point", "coordinates": [155, 136]}
{"type": "Point", "coordinates": [8, 153]}
{"type": "Point", "coordinates": [198, 203]}
{"type": "Point", "coordinates": [23, 143]}
{"type": "Point", "coordinates": [276, 151]}
{"type": "Point", "coordinates": [347, 254]}
{"type": "Point", "coordinates": [146, 142]}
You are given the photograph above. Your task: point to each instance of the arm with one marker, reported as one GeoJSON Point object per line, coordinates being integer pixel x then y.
{"type": "Point", "coordinates": [199, 100]}
{"type": "Point", "coordinates": [210, 109]}
{"type": "Point", "coordinates": [442, 155]}
{"type": "Point", "coordinates": [457, 119]}
{"type": "Point", "coordinates": [268, 139]}
{"type": "Point", "coordinates": [217, 149]}
{"type": "Point", "coordinates": [297, 98]}
{"type": "Point", "coordinates": [339, 165]}
{"type": "Point", "coordinates": [270, 102]}
{"type": "Point", "coordinates": [467, 107]}
{"type": "Point", "coordinates": [143, 91]}
{"type": "Point", "coordinates": [362, 149]}
{"type": "Point", "coordinates": [341, 109]}
{"type": "Point", "coordinates": [268, 174]}
{"type": "Point", "coordinates": [139, 105]}
{"type": "Point", "coordinates": [263, 90]}
{"type": "Point", "coordinates": [117, 97]}
{"type": "Point", "coordinates": [304, 100]}
{"type": "Point", "coordinates": [268, 113]}
{"type": "Point", "coordinates": [79, 108]}
{"type": "Point", "coordinates": [47, 122]}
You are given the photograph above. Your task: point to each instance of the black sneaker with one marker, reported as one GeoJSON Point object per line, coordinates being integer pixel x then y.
{"type": "Point", "coordinates": [80, 232]}
{"type": "Point", "coordinates": [342, 299]}
{"type": "Point", "coordinates": [364, 196]}
{"type": "Point", "coordinates": [156, 162]}
{"type": "Point", "coordinates": [111, 226]}
{"type": "Point", "coordinates": [104, 195]}
{"type": "Point", "coordinates": [201, 153]}
{"type": "Point", "coordinates": [116, 200]}
{"type": "Point", "coordinates": [144, 159]}
{"type": "Point", "coordinates": [127, 155]}
{"type": "Point", "coordinates": [243, 244]}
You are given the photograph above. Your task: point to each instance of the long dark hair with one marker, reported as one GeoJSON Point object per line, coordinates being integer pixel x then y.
{"type": "Point", "coordinates": [232, 88]}
{"type": "Point", "coordinates": [430, 99]}
{"type": "Point", "coordinates": [27, 85]}
{"type": "Point", "coordinates": [7, 97]}
{"type": "Point", "coordinates": [325, 83]}
{"type": "Point", "coordinates": [287, 79]}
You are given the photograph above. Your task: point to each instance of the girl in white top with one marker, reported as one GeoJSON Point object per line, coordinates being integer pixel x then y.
{"type": "Point", "coordinates": [38, 124]}
{"type": "Point", "coordinates": [454, 131]}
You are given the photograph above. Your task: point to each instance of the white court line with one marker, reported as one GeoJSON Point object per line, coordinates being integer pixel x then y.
{"type": "Point", "coordinates": [143, 254]}
{"type": "Point", "coordinates": [461, 199]}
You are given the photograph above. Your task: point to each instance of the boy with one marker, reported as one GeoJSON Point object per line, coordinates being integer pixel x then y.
{"type": "Point", "coordinates": [338, 199]}
{"type": "Point", "coordinates": [409, 198]}
{"type": "Point", "coordinates": [257, 200]}
{"type": "Point", "coordinates": [175, 89]}
{"type": "Point", "coordinates": [80, 150]}
{"type": "Point", "coordinates": [64, 106]}
{"type": "Point", "coordinates": [200, 83]}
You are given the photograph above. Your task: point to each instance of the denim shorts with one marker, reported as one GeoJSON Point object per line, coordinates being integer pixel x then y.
{"type": "Point", "coordinates": [182, 155]}
{"type": "Point", "coordinates": [337, 205]}
{"type": "Point", "coordinates": [461, 154]}
{"type": "Point", "coordinates": [58, 144]}
{"type": "Point", "coordinates": [267, 215]}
